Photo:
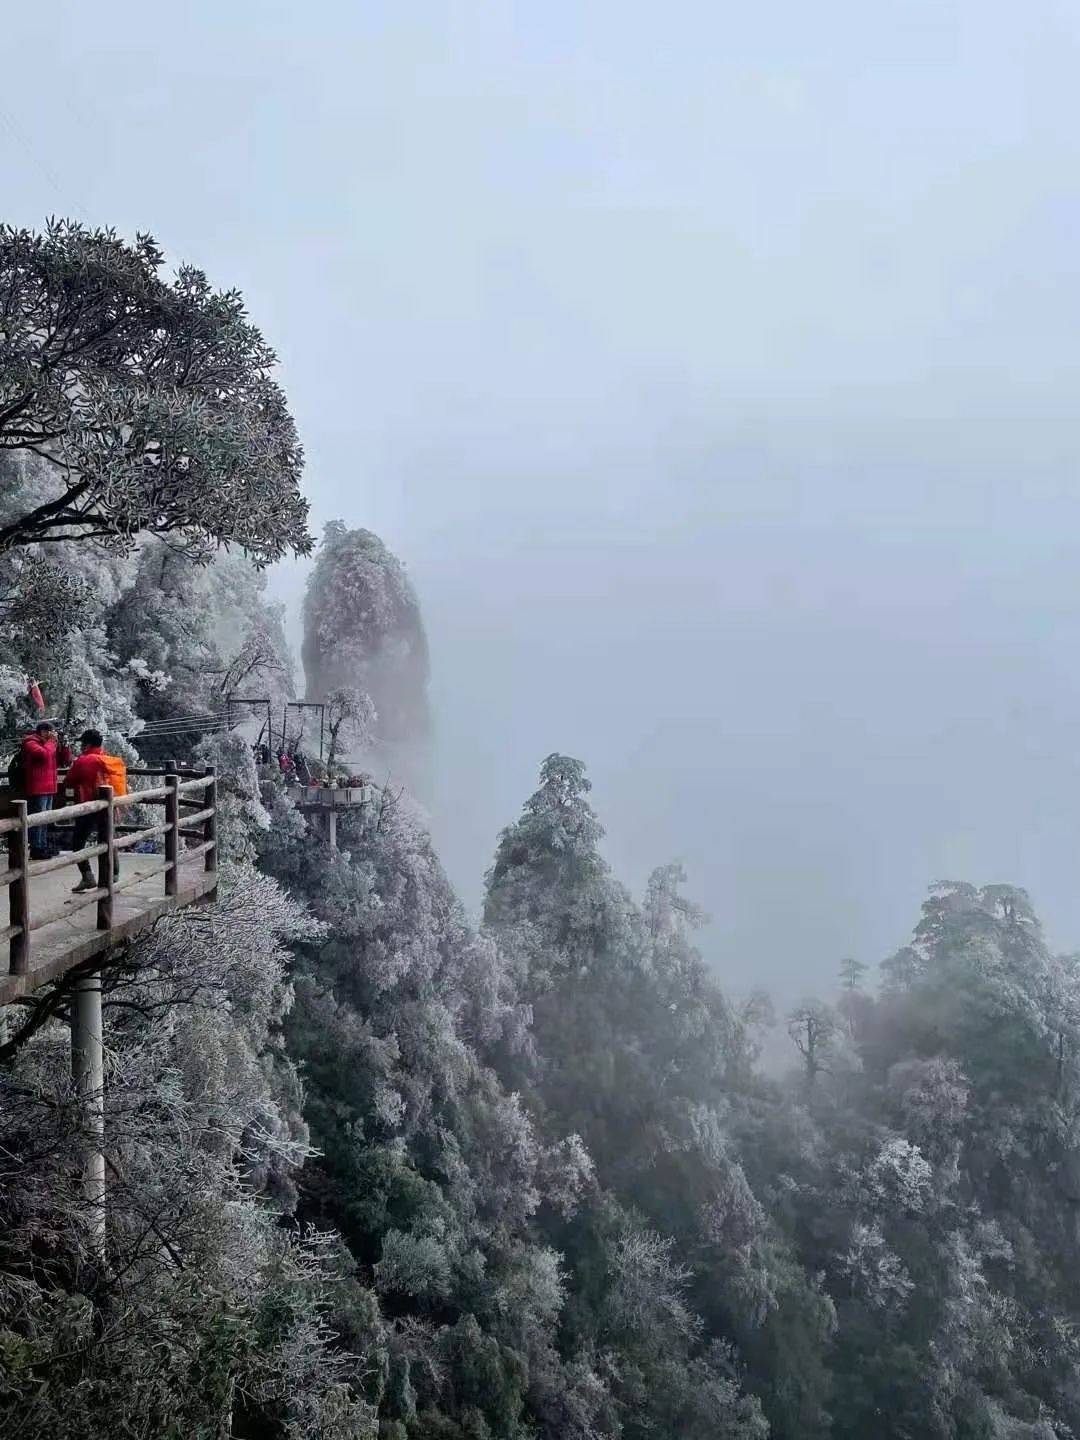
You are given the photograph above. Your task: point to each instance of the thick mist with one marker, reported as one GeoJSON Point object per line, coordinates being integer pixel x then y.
{"type": "Point", "coordinates": [819, 712]}
{"type": "Point", "coordinates": [713, 374]}
{"type": "Point", "coordinates": [821, 702]}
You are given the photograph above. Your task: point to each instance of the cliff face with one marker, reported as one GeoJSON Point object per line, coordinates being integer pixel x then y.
{"type": "Point", "coordinates": [363, 629]}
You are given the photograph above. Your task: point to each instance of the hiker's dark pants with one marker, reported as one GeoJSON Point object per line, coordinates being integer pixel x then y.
{"type": "Point", "coordinates": [86, 833]}
{"type": "Point", "coordinates": [39, 835]}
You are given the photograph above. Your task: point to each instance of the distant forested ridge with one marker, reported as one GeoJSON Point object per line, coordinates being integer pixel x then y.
{"type": "Point", "coordinates": [378, 1170]}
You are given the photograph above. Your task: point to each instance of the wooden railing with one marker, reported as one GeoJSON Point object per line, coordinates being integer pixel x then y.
{"type": "Point", "coordinates": [189, 801]}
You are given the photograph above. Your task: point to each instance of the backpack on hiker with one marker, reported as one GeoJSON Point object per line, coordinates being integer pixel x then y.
{"type": "Point", "coordinates": [114, 773]}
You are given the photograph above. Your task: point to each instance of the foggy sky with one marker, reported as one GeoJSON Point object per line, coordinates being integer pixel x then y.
{"type": "Point", "coordinates": [714, 370]}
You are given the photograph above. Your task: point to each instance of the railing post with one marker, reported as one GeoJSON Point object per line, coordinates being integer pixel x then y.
{"type": "Point", "coordinates": [107, 837]}
{"type": "Point", "coordinates": [172, 834]}
{"type": "Point", "coordinates": [210, 824]}
{"type": "Point", "coordinates": [19, 892]}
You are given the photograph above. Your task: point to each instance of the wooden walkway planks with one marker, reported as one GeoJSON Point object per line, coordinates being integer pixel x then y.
{"type": "Point", "coordinates": [74, 938]}
{"type": "Point", "coordinates": [52, 930]}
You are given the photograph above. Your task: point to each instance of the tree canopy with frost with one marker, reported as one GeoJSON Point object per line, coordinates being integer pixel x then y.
{"type": "Point", "coordinates": [349, 718]}
{"type": "Point", "coordinates": [151, 401]}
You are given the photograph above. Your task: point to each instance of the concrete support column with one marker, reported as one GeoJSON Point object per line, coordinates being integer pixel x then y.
{"type": "Point", "coordinates": [331, 827]}
{"type": "Point", "coordinates": [87, 1070]}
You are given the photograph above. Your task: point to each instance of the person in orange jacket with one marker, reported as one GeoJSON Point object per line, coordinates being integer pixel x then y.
{"type": "Point", "coordinates": [87, 773]}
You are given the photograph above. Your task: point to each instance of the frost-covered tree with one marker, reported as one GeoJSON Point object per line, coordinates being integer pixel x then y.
{"type": "Point", "coordinates": [928, 1183]}
{"type": "Point", "coordinates": [431, 1169]}
{"type": "Point", "coordinates": [636, 1050]}
{"type": "Point", "coordinates": [852, 973]}
{"type": "Point", "coordinates": [549, 881]}
{"type": "Point", "coordinates": [53, 624]}
{"type": "Point", "coordinates": [209, 1316]}
{"type": "Point", "coordinates": [349, 718]}
{"type": "Point", "coordinates": [204, 633]}
{"type": "Point", "coordinates": [241, 819]}
{"type": "Point", "coordinates": [150, 401]}
{"type": "Point", "coordinates": [46, 602]}
{"type": "Point", "coordinates": [812, 1026]}
{"type": "Point", "coordinates": [375, 1172]}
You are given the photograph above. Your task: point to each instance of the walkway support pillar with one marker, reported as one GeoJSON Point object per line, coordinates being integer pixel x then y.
{"type": "Point", "coordinates": [331, 827]}
{"type": "Point", "coordinates": [88, 1073]}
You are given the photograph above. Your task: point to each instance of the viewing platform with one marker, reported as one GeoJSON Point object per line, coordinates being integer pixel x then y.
{"type": "Point", "coordinates": [50, 930]}
{"type": "Point", "coordinates": [329, 801]}
{"type": "Point", "coordinates": [317, 799]}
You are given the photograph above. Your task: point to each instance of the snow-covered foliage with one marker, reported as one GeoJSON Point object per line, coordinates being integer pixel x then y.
{"type": "Point", "coordinates": [53, 629]}
{"type": "Point", "coordinates": [241, 817]}
{"type": "Point", "coordinates": [151, 401]}
{"type": "Point", "coordinates": [649, 1286]}
{"type": "Point", "coordinates": [349, 719]}
{"type": "Point", "coordinates": [540, 1189]}
{"type": "Point", "coordinates": [191, 636]}
{"type": "Point", "coordinates": [374, 1174]}
{"type": "Point", "coordinates": [208, 1308]}
{"type": "Point", "coordinates": [122, 644]}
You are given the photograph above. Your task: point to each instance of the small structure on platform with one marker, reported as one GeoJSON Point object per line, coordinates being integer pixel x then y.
{"type": "Point", "coordinates": [326, 802]}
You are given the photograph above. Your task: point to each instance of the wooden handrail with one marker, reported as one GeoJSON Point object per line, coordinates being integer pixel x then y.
{"type": "Point", "coordinates": [199, 819]}
{"type": "Point", "coordinates": [136, 836]}
{"type": "Point", "coordinates": [163, 770]}
{"type": "Point", "coordinates": [66, 812]}
{"type": "Point", "coordinates": [200, 784]}
{"type": "Point", "coordinates": [142, 797]}
{"type": "Point", "coordinates": [142, 771]}
{"type": "Point", "coordinates": [63, 862]}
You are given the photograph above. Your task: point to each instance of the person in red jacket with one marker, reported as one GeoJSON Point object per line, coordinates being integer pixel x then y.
{"type": "Point", "coordinates": [39, 782]}
{"type": "Point", "coordinates": [86, 774]}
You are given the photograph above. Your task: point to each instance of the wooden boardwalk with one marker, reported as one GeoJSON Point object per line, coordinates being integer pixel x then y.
{"type": "Point", "coordinates": [52, 930]}
{"type": "Point", "coordinates": [137, 902]}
